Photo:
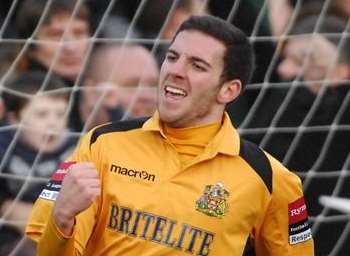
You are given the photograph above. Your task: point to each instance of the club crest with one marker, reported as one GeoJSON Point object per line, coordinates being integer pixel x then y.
{"type": "Point", "coordinates": [213, 202]}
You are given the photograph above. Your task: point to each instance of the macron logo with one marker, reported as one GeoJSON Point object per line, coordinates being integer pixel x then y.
{"type": "Point", "coordinates": [143, 175]}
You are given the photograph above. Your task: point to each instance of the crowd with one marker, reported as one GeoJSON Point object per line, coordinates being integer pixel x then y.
{"type": "Point", "coordinates": [67, 66]}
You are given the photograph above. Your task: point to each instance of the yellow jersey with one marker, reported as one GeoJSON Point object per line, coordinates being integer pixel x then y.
{"type": "Point", "coordinates": [151, 204]}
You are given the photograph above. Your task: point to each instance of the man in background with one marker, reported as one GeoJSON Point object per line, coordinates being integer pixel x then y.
{"type": "Point", "coordinates": [120, 83]}
{"type": "Point", "coordinates": [60, 41]}
{"type": "Point", "coordinates": [315, 71]}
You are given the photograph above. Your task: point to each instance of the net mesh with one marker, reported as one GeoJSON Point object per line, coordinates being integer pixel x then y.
{"type": "Point", "coordinates": [315, 147]}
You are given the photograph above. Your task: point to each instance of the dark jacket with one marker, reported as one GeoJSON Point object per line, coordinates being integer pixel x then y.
{"type": "Point", "coordinates": [25, 170]}
{"type": "Point", "coordinates": [325, 150]}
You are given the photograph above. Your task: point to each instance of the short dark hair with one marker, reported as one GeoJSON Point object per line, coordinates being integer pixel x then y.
{"type": "Point", "coordinates": [239, 60]}
{"type": "Point", "coordinates": [19, 90]}
{"type": "Point", "coordinates": [31, 11]}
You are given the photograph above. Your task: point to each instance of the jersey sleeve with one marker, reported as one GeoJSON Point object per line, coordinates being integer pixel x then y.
{"type": "Point", "coordinates": [41, 227]}
{"type": "Point", "coordinates": [284, 228]}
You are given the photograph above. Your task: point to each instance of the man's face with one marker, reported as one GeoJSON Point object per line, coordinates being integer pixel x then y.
{"type": "Point", "coordinates": [70, 52]}
{"type": "Point", "coordinates": [44, 122]}
{"type": "Point", "coordinates": [309, 58]}
{"type": "Point", "coordinates": [125, 77]}
{"type": "Point", "coordinates": [190, 80]}
{"type": "Point", "coordinates": [137, 82]}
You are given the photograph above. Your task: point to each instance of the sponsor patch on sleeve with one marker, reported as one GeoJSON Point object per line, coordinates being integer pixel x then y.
{"type": "Point", "coordinates": [299, 228]}
{"type": "Point", "coordinates": [52, 188]}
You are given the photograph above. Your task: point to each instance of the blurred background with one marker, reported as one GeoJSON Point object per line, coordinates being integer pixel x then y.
{"type": "Point", "coordinates": [69, 65]}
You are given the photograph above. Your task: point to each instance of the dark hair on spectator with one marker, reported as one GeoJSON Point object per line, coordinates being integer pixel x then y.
{"type": "Point", "coordinates": [8, 53]}
{"type": "Point", "coordinates": [31, 11]}
{"type": "Point", "coordinates": [331, 28]}
{"type": "Point", "coordinates": [19, 90]}
{"type": "Point", "coordinates": [239, 60]}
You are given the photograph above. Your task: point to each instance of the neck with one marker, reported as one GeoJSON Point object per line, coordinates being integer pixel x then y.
{"type": "Point", "coordinates": [183, 123]}
{"type": "Point", "coordinates": [190, 142]}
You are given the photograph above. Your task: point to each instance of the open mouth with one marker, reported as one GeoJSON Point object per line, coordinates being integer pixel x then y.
{"type": "Point", "coordinates": [50, 139]}
{"type": "Point", "coordinates": [174, 91]}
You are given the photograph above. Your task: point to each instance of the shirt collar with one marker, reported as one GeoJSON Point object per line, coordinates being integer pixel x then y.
{"type": "Point", "coordinates": [154, 124]}
{"type": "Point", "coordinates": [226, 141]}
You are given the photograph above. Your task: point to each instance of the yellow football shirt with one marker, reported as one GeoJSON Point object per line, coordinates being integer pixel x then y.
{"type": "Point", "coordinates": [151, 204]}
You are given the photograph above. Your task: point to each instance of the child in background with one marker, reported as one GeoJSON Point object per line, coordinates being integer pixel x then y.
{"type": "Point", "coordinates": [31, 151]}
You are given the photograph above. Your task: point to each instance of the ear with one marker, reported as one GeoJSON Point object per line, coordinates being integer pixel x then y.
{"type": "Point", "coordinates": [229, 91]}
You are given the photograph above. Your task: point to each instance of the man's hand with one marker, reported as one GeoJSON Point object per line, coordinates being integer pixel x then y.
{"type": "Point", "coordinates": [80, 187]}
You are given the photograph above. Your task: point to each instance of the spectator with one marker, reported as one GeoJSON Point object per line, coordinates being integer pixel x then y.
{"type": "Point", "coordinates": [279, 15]}
{"type": "Point", "coordinates": [319, 67]}
{"type": "Point", "coordinates": [280, 12]}
{"type": "Point", "coordinates": [117, 28]}
{"type": "Point", "coordinates": [125, 76]}
{"type": "Point", "coordinates": [7, 55]}
{"type": "Point", "coordinates": [344, 7]}
{"type": "Point", "coordinates": [245, 15]}
{"type": "Point", "coordinates": [61, 42]}
{"type": "Point", "coordinates": [39, 144]}
{"type": "Point", "coordinates": [151, 27]}
{"type": "Point", "coordinates": [183, 10]}
{"type": "Point", "coordinates": [170, 14]}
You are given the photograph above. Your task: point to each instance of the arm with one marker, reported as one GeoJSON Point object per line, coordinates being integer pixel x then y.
{"type": "Point", "coordinates": [280, 12]}
{"type": "Point", "coordinates": [284, 228]}
{"type": "Point", "coordinates": [65, 222]}
{"type": "Point", "coordinates": [80, 189]}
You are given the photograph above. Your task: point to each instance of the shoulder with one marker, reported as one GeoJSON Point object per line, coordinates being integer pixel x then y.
{"type": "Point", "coordinates": [285, 182]}
{"type": "Point", "coordinates": [280, 171]}
{"type": "Point", "coordinates": [120, 126]}
{"type": "Point", "coordinates": [270, 170]}
{"type": "Point", "coordinates": [111, 128]}
{"type": "Point", "coordinates": [258, 160]}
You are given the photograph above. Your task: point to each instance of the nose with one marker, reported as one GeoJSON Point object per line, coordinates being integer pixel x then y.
{"type": "Point", "coordinates": [70, 45]}
{"type": "Point", "coordinates": [70, 42]}
{"type": "Point", "coordinates": [178, 68]}
{"type": "Point", "coordinates": [54, 122]}
{"type": "Point", "coordinates": [147, 95]}
{"type": "Point", "coordinates": [145, 103]}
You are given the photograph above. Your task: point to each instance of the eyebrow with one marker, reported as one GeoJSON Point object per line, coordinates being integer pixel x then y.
{"type": "Point", "coordinates": [194, 58]}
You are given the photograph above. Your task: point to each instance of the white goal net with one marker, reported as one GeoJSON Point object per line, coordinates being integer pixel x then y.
{"type": "Point", "coordinates": [99, 60]}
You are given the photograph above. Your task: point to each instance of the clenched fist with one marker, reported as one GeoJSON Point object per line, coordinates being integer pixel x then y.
{"type": "Point", "coordinates": [80, 188]}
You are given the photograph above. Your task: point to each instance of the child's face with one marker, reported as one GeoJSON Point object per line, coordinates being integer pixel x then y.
{"type": "Point", "coordinates": [44, 121]}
